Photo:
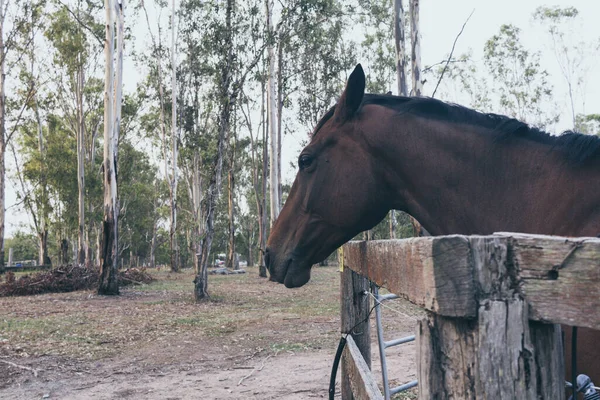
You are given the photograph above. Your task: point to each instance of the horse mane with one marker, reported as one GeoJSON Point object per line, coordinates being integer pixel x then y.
{"type": "Point", "coordinates": [577, 147]}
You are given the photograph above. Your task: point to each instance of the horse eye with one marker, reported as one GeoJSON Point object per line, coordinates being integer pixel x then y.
{"type": "Point", "coordinates": [304, 161]}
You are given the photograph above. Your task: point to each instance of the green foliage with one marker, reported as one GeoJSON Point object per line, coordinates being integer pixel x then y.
{"type": "Point", "coordinates": [519, 81]}
{"type": "Point", "coordinates": [137, 198]}
{"type": "Point", "coordinates": [24, 246]}
{"type": "Point", "coordinates": [589, 124]}
{"type": "Point", "coordinates": [378, 45]}
{"type": "Point", "coordinates": [554, 14]}
{"type": "Point", "coordinates": [573, 51]}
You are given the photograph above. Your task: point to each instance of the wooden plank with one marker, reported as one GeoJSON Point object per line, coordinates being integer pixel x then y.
{"type": "Point", "coordinates": [433, 272]}
{"type": "Point", "coordinates": [501, 355]}
{"type": "Point", "coordinates": [355, 307]}
{"type": "Point", "coordinates": [559, 277]}
{"type": "Point", "coordinates": [362, 382]}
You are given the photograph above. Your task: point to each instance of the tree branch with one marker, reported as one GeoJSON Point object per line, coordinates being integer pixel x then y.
{"type": "Point", "coordinates": [80, 22]}
{"type": "Point", "coordinates": [451, 52]}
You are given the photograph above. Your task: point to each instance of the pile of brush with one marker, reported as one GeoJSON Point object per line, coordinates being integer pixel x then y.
{"type": "Point", "coordinates": [65, 279]}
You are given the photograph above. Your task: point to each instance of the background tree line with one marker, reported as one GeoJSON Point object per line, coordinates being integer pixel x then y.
{"type": "Point", "coordinates": [218, 86]}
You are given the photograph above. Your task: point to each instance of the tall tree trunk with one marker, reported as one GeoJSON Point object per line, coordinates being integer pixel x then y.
{"type": "Point", "coordinates": [2, 134]}
{"type": "Point", "coordinates": [44, 259]}
{"type": "Point", "coordinates": [173, 232]}
{"type": "Point", "coordinates": [232, 261]}
{"type": "Point", "coordinates": [263, 224]}
{"type": "Point", "coordinates": [63, 257]}
{"type": "Point", "coordinates": [401, 77]}
{"type": "Point", "coordinates": [260, 185]}
{"type": "Point", "coordinates": [109, 262]}
{"type": "Point", "coordinates": [152, 263]}
{"type": "Point", "coordinates": [250, 255]}
{"type": "Point", "coordinates": [153, 242]}
{"type": "Point", "coordinates": [81, 243]}
{"type": "Point", "coordinates": [415, 36]}
{"type": "Point", "coordinates": [400, 47]}
{"type": "Point", "coordinates": [227, 98]}
{"type": "Point", "coordinates": [280, 74]}
{"type": "Point", "coordinates": [196, 195]}
{"type": "Point", "coordinates": [417, 83]}
{"type": "Point", "coordinates": [272, 117]}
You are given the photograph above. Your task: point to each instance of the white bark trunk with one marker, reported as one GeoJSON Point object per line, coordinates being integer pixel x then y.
{"type": "Point", "coordinates": [196, 192]}
{"type": "Point", "coordinates": [81, 244]}
{"type": "Point", "coordinates": [400, 76]}
{"type": "Point", "coordinates": [112, 97]}
{"type": "Point", "coordinates": [272, 118]}
{"type": "Point", "coordinates": [2, 134]}
{"type": "Point", "coordinates": [400, 47]}
{"type": "Point", "coordinates": [173, 232]}
{"type": "Point", "coordinates": [417, 84]}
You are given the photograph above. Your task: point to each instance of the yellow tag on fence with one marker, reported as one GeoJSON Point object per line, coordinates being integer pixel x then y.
{"type": "Point", "coordinates": [341, 258]}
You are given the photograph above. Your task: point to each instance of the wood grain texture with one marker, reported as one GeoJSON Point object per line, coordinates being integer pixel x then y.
{"type": "Point", "coordinates": [431, 272]}
{"type": "Point", "coordinates": [500, 355]}
{"type": "Point", "coordinates": [485, 295]}
{"type": "Point", "coordinates": [362, 382]}
{"type": "Point", "coordinates": [355, 307]}
{"type": "Point", "coordinates": [558, 277]}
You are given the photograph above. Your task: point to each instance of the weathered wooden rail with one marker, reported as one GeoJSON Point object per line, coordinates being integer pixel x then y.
{"type": "Point", "coordinates": [493, 304]}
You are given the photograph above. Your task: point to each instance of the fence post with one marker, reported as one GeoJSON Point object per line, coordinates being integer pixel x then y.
{"type": "Point", "coordinates": [500, 353]}
{"type": "Point", "coordinates": [355, 311]}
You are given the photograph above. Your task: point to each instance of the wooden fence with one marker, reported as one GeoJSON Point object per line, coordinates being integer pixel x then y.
{"type": "Point", "coordinates": [492, 303]}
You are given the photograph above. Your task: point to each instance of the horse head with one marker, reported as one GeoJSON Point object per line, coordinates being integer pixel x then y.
{"type": "Point", "coordinates": [336, 194]}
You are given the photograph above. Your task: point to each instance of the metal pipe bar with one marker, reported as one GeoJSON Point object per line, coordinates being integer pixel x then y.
{"type": "Point", "coordinates": [389, 296]}
{"type": "Point", "coordinates": [381, 342]}
{"type": "Point", "coordinates": [404, 387]}
{"type": "Point", "coordinates": [396, 342]}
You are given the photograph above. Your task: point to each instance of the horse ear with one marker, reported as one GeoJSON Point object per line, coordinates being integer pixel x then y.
{"type": "Point", "coordinates": [351, 99]}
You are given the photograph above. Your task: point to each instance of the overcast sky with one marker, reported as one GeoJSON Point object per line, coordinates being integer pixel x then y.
{"type": "Point", "coordinates": [441, 20]}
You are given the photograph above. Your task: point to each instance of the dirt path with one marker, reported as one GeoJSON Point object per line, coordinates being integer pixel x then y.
{"type": "Point", "coordinates": [220, 350]}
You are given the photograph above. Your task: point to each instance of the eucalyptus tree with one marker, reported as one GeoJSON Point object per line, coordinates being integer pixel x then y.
{"type": "Point", "coordinates": [174, 146]}
{"type": "Point", "coordinates": [225, 68]}
{"type": "Point", "coordinates": [518, 78]}
{"type": "Point", "coordinates": [378, 45]}
{"type": "Point", "coordinates": [259, 160]}
{"type": "Point", "coordinates": [74, 35]}
{"type": "Point", "coordinates": [13, 17]}
{"type": "Point", "coordinates": [217, 49]}
{"type": "Point", "coordinates": [113, 93]}
{"type": "Point", "coordinates": [574, 56]}
{"type": "Point", "coordinates": [138, 204]}
{"type": "Point", "coordinates": [31, 174]}
{"type": "Point", "coordinates": [415, 46]}
{"type": "Point", "coordinates": [296, 19]}
{"type": "Point", "coordinates": [272, 107]}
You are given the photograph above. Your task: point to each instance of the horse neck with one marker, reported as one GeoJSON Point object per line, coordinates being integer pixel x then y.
{"type": "Point", "coordinates": [454, 179]}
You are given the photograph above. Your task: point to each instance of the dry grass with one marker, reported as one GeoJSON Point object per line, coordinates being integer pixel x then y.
{"type": "Point", "coordinates": [157, 328]}
{"type": "Point", "coordinates": [84, 325]}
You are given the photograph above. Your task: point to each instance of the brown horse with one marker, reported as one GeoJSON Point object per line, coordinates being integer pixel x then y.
{"type": "Point", "coordinates": [454, 169]}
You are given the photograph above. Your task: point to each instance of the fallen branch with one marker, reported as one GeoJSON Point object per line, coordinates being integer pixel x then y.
{"type": "Point", "coordinates": [130, 280]}
{"type": "Point", "coordinates": [257, 369]}
{"type": "Point", "coordinates": [35, 371]}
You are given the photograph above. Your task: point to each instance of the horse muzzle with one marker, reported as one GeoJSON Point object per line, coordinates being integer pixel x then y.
{"type": "Point", "coordinates": [287, 270]}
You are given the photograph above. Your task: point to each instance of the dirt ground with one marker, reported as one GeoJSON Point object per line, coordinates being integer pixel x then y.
{"type": "Point", "coordinates": [253, 340]}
